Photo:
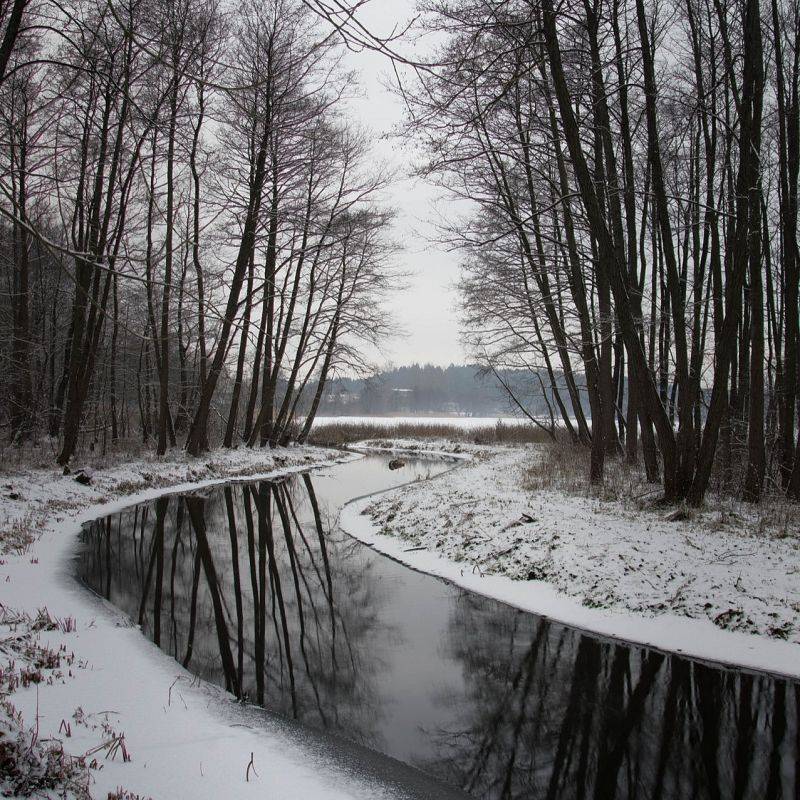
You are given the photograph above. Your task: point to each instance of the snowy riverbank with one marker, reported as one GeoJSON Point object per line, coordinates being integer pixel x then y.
{"type": "Point", "coordinates": [88, 703]}
{"type": "Point", "coordinates": [722, 584]}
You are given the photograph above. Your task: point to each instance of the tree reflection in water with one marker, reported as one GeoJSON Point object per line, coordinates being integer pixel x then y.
{"type": "Point", "coordinates": [554, 713]}
{"type": "Point", "coordinates": [247, 587]}
{"type": "Point", "coordinates": [248, 599]}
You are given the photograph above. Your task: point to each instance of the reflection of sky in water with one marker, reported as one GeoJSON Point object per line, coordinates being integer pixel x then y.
{"type": "Point", "coordinates": [488, 698]}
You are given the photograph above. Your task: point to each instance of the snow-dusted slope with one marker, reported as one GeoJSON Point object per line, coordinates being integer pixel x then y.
{"type": "Point", "coordinates": [91, 692]}
{"type": "Point", "coordinates": [710, 586]}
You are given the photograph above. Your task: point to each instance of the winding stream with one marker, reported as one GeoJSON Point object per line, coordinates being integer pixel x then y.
{"type": "Point", "coordinates": [252, 587]}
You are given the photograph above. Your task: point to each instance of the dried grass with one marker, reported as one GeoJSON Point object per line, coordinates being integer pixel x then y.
{"type": "Point", "coordinates": [41, 454]}
{"type": "Point", "coordinates": [342, 433]}
{"type": "Point", "coordinates": [29, 765]}
{"type": "Point", "coordinates": [564, 467]}
{"type": "Point", "coordinates": [19, 534]}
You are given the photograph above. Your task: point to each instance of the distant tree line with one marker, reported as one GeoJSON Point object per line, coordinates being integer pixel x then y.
{"type": "Point", "coordinates": [191, 240]}
{"type": "Point", "coordinates": [453, 390]}
{"type": "Point", "coordinates": [631, 169]}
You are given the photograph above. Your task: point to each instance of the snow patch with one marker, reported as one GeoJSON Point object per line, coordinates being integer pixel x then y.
{"type": "Point", "coordinates": [715, 592]}
{"type": "Point", "coordinates": [181, 737]}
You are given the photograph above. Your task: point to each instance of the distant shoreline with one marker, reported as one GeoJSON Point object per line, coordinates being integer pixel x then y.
{"type": "Point", "coordinates": [423, 419]}
{"type": "Point", "coordinates": [416, 417]}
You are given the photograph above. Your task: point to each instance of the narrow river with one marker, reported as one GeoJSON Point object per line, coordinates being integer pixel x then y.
{"type": "Point", "coordinates": [252, 586]}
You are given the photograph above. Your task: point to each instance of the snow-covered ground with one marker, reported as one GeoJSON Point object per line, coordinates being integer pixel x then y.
{"type": "Point", "coordinates": [87, 702]}
{"type": "Point", "coordinates": [721, 584]}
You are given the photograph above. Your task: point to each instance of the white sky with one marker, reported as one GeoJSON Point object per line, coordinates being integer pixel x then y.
{"type": "Point", "coordinates": [426, 310]}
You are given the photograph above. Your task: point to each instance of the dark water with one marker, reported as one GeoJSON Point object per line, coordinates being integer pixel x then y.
{"type": "Point", "coordinates": [250, 586]}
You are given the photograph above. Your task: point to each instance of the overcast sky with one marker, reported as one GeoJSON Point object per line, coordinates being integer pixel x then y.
{"type": "Point", "coordinates": [427, 308]}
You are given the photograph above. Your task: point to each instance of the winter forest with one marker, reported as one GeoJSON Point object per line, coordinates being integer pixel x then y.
{"type": "Point", "coordinates": [633, 170]}
{"type": "Point", "coordinates": [400, 399]}
{"type": "Point", "coordinates": [195, 238]}
{"type": "Point", "coordinates": [192, 239]}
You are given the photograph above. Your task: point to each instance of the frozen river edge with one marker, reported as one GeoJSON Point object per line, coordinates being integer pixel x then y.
{"type": "Point", "coordinates": [697, 638]}
{"type": "Point", "coordinates": [128, 720]}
